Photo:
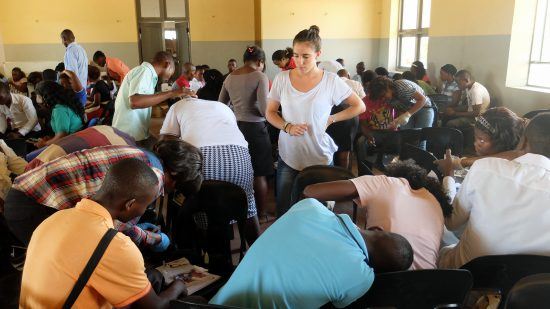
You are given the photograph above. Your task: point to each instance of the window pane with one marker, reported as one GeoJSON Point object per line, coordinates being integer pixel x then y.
{"type": "Point", "coordinates": [426, 10]}
{"type": "Point", "coordinates": [538, 75]}
{"type": "Point", "coordinates": [410, 14]}
{"type": "Point", "coordinates": [545, 53]}
{"type": "Point", "coordinates": [538, 31]}
{"type": "Point", "coordinates": [175, 8]}
{"type": "Point", "coordinates": [150, 8]}
{"type": "Point", "coordinates": [424, 50]}
{"type": "Point", "coordinates": [408, 51]}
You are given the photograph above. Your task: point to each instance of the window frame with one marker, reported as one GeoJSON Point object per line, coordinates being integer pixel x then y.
{"type": "Point", "coordinates": [539, 61]}
{"type": "Point", "coordinates": [418, 33]}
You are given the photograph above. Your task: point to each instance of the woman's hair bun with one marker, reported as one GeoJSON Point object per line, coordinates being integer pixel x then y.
{"type": "Point", "coordinates": [315, 29]}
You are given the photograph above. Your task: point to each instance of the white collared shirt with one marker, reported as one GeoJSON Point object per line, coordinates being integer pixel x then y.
{"type": "Point", "coordinates": [357, 87]}
{"type": "Point", "coordinates": [505, 208]}
{"type": "Point", "coordinates": [22, 114]}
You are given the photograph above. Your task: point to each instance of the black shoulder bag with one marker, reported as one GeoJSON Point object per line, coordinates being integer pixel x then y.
{"type": "Point", "coordinates": [89, 268]}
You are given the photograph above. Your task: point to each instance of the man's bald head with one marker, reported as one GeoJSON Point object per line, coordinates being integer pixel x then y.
{"type": "Point", "coordinates": [67, 37]}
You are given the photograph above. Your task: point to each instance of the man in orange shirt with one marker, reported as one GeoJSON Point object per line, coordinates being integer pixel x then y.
{"type": "Point", "coordinates": [116, 69]}
{"type": "Point", "coordinates": [62, 245]}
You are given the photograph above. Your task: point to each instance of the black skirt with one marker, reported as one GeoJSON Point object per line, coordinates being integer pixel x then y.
{"type": "Point", "coordinates": [259, 146]}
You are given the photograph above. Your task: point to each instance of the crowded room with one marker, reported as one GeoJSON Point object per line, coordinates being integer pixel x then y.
{"type": "Point", "coordinates": [191, 154]}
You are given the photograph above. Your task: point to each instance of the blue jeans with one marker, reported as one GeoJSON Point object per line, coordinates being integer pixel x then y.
{"type": "Point", "coordinates": [424, 118]}
{"type": "Point", "coordinates": [285, 180]}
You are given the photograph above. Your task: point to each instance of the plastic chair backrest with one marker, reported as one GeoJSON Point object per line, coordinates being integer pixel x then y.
{"type": "Point", "coordinates": [501, 272]}
{"type": "Point", "coordinates": [532, 114]}
{"type": "Point", "coordinates": [317, 174]}
{"type": "Point", "coordinates": [439, 139]}
{"type": "Point", "coordinates": [530, 292]}
{"type": "Point", "coordinates": [428, 288]}
{"type": "Point", "coordinates": [422, 158]}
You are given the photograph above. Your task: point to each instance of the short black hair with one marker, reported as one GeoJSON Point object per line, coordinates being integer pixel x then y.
{"type": "Point", "coordinates": [161, 57]}
{"type": "Point", "coordinates": [129, 178]}
{"type": "Point", "coordinates": [34, 77]}
{"type": "Point", "coordinates": [420, 69]}
{"type": "Point", "coordinates": [60, 67]}
{"type": "Point", "coordinates": [506, 128]}
{"type": "Point", "coordinates": [68, 35]}
{"type": "Point", "coordinates": [537, 134]}
{"type": "Point", "coordinates": [98, 54]}
{"type": "Point", "coordinates": [342, 73]}
{"type": "Point", "coordinates": [397, 76]}
{"type": "Point", "coordinates": [368, 76]}
{"type": "Point", "coordinates": [391, 252]}
{"type": "Point", "coordinates": [408, 75]}
{"type": "Point", "coordinates": [93, 73]}
{"type": "Point", "coordinates": [184, 163]}
{"type": "Point", "coordinates": [418, 178]}
{"type": "Point", "coordinates": [49, 74]}
{"type": "Point", "coordinates": [449, 68]}
{"type": "Point", "coordinates": [231, 60]}
{"type": "Point", "coordinates": [463, 74]}
{"type": "Point", "coordinates": [382, 71]}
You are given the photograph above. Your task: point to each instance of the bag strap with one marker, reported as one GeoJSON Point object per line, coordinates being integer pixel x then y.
{"type": "Point", "coordinates": [90, 267]}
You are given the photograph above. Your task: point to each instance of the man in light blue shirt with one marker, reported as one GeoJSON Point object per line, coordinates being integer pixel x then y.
{"type": "Point", "coordinates": [136, 97]}
{"type": "Point", "coordinates": [75, 58]}
{"type": "Point", "coordinates": [309, 257]}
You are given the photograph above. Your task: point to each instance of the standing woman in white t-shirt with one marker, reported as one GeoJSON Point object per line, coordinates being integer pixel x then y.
{"type": "Point", "coordinates": [306, 96]}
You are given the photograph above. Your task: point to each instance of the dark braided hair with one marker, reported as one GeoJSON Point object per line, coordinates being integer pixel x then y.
{"type": "Point", "coordinates": [506, 128]}
{"type": "Point", "coordinates": [53, 94]}
{"type": "Point", "coordinates": [254, 53]}
{"type": "Point", "coordinates": [418, 178]}
{"type": "Point", "coordinates": [278, 55]}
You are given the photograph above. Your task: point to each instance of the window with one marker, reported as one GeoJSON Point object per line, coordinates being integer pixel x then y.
{"type": "Point", "coordinates": [413, 32]}
{"type": "Point", "coordinates": [539, 62]}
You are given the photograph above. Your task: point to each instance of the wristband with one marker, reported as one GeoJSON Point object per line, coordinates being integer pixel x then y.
{"type": "Point", "coordinates": [285, 125]}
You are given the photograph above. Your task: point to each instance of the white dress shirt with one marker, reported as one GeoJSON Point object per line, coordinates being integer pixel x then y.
{"type": "Point", "coordinates": [22, 114]}
{"type": "Point", "coordinates": [505, 208]}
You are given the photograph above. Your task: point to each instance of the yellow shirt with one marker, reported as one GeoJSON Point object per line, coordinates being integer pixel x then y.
{"type": "Point", "coordinates": [60, 248]}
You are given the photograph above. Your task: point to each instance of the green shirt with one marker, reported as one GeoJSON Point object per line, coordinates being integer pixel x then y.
{"type": "Point", "coordinates": [135, 122]}
{"type": "Point", "coordinates": [64, 119]}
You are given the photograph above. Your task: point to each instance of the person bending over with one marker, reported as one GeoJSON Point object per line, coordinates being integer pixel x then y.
{"type": "Point", "coordinates": [310, 257]}
{"type": "Point", "coordinates": [119, 280]}
{"type": "Point", "coordinates": [399, 202]}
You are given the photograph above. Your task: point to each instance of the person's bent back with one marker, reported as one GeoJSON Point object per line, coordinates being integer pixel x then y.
{"type": "Point", "coordinates": [62, 245]}
{"type": "Point", "coordinates": [310, 257]}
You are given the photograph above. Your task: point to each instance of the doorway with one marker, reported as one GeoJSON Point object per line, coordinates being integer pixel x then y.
{"type": "Point", "coordinates": [163, 26]}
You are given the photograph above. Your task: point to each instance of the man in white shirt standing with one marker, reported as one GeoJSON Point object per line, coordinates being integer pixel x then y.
{"type": "Point", "coordinates": [20, 112]}
{"type": "Point", "coordinates": [504, 205]}
{"type": "Point", "coordinates": [75, 58]}
{"type": "Point", "coordinates": [478, 101]}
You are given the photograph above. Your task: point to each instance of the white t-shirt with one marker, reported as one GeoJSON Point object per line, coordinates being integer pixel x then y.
{"type": "Point", "coordinates": [504, 206]}
{"type": "Point", "coordinates": [330, 66]}
{"type": "Point", "coordinates": [195, 84]}
{"type": "Point", "coordinates": [203, 123]}
{"type": "Point", "coordinates": [357, 87]}
{"type": "Point", "coordinates": [312, 108]}
{"type": "Point", "coordinates": [22, 114]}
{"type": "Point", "coordinates": [477, 95]}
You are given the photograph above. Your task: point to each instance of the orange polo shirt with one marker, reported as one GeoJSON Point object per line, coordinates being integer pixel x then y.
{"type": "Point", "coordinates": [60, 248]}
{"type": "Point", "coordinates": [116, 68]}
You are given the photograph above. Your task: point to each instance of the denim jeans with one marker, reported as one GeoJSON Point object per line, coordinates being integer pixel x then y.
{"type": "Point", "coordinates": [424, 118]}
{"type": "Point", "coordinates": [285, 180]}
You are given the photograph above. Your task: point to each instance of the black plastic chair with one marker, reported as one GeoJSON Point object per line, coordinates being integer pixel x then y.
{"type": "Point", "coordinates": [439, 139]}
{"type": "Point", "coordinates": [500, 272]}
{"type": "Point", "coordinates": [317, 174]}
{"type": "Point", "coordinates": [422, 158]}
{"type": "Point", "coordinates": [429, 288]}
{"type": "Point", "coordinates": [529, 292]}
{"type": "Point", "coordinates": [223, 202]}
{"type": "Point", "coordinates": [181, 304]}
{"type": "Point", "coordinates": [388, 143]}
{"type": "Point", "coordinates": [532, 114]}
